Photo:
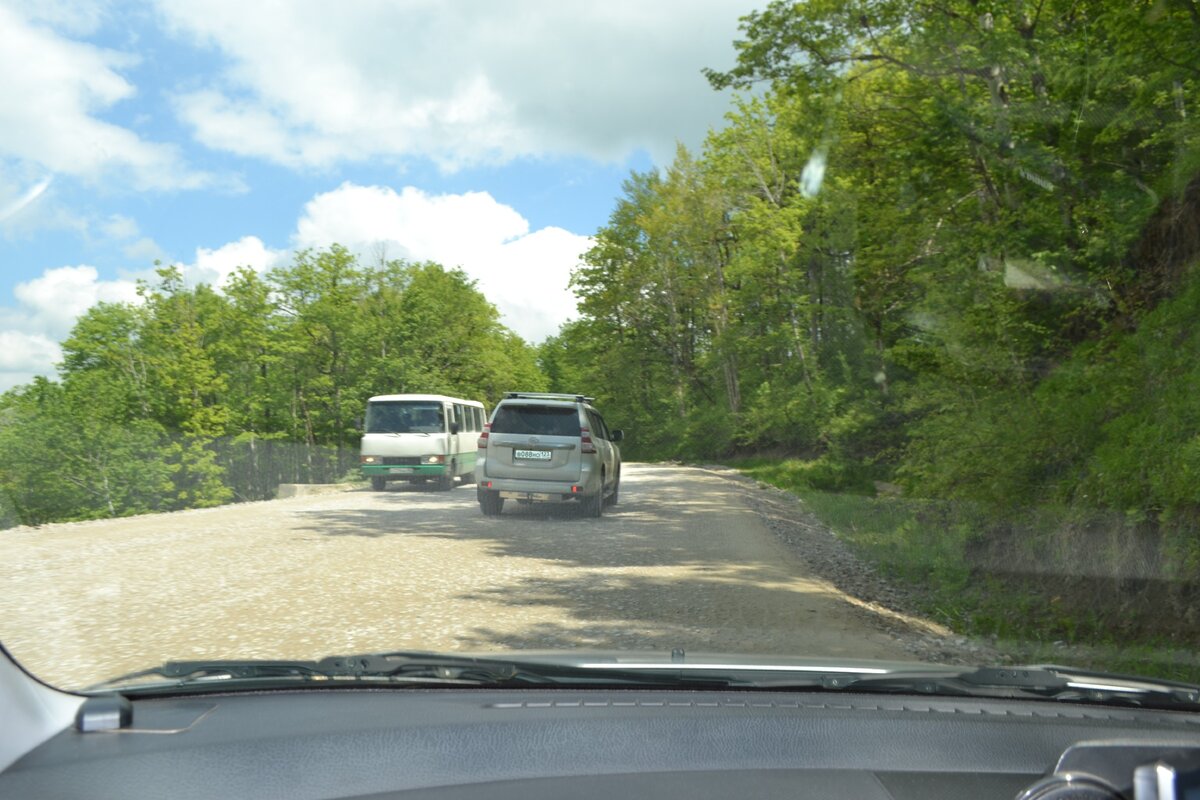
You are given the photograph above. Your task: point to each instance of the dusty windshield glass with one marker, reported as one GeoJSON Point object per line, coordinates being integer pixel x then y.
{"type": "Point", "coordinates": [397, 416]}
{"type": "Point", "coordinates": [885, 313]}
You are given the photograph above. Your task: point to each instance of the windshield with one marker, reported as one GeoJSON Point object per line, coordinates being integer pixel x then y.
{"type": "Point", "coordinates": [833, 334]}
{"type": "Point", "coordinates": [396, 416]}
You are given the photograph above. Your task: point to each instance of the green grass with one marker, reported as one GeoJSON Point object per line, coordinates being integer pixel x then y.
{"type": "Point", "coordinates": [924, 546]}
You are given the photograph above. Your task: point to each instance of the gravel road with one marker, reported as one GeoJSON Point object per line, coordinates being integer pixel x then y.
{"type": "Point", "coordinates": [688, 559]}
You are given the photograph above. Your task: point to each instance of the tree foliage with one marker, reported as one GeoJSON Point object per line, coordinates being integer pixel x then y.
{"type": "Point", "coordinates": [945, 244]}
{"type": "Point", "coordinates": [192, 397]}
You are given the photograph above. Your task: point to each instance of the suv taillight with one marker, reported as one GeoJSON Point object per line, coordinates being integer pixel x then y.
{"type": "Point", "coordinates": [482, 443]}
{"type": "Point", "coordinates": [585, 441]}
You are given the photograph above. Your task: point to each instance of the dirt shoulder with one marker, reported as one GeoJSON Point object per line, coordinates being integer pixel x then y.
{"type": "Point", "coordinates": [879, 601]}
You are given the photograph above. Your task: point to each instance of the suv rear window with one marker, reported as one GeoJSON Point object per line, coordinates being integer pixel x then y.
{"type": "Point", "coordinates": [543, 420]}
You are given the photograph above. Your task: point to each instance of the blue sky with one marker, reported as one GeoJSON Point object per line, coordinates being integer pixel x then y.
{"type": "Point", "coordinates": [220, 133]}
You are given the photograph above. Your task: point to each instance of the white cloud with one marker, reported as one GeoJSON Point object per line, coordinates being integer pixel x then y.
{"type": "Point", "coordinates": [54, 90]}
{"type": "Point", "coordinates": [28, 203]}
{"type": "Point", "coordinates": [30, 196]}
{"type": "Point", "coordinates": [525, 274]}
{"type": "Point", "coordinates": [215, 266]}
{"type": "Point", "coordinates": [527, 279]}
{"type": "Point", "coordinates": [119, 226]}
{"type": "Point", "coordinates": [47, 309]}
{"type": "Point", "coordinates": [144, 250]}
{"type": "Point", "coordinates": [418, 222]}
{"type": "Point", "coordinates": [26, 353]}
{"type": "Point", "coordinates": [125, 231]}
{"type": "Point", "coordinates": [79, 17]}
{"type": "Point", "coordinates": [52, 301]}
{"type": "Point", "coordinates": [311, 83]}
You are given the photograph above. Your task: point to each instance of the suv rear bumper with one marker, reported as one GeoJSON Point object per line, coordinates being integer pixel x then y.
{"type": "Point", "coordinates": [539, 491]}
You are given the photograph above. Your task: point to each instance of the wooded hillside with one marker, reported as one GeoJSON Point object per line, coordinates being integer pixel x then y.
{"type": "Point", "coordinates": [949, 246]}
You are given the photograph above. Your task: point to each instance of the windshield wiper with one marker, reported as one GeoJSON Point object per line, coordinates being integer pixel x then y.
{"type": "Point", "coordinates": [1032, 682]}
{"type": "Point", "coordinates": [396, 667]}
{"type": "Point", "coordinates": [432, 669]}
{"type": "Point", "coordinates": [181, 672]}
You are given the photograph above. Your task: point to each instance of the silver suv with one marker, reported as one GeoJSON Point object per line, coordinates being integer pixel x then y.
{"type": "Point", "coordinates": [548, 448]}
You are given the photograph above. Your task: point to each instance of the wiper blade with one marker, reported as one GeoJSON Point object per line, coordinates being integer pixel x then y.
{"type": "Point", "coordinates": [1032, 682]}
{"type": "Point", "coordinates": [393, 667]}
{"type": "Point", "coordinates": [1108, 687]}
{"type": "Point", "coordinates": [187, 672]}
{"type": "Point", "coordinates": [425, 669]}
{"type": "Point", "coordinates": [501, 671]}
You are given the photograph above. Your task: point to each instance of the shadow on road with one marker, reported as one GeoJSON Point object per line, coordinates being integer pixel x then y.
{"type": "Point", "coordinates": [655, 524]}
{"type": "Point", "coordinates": [732, 611]}
{"type": "Point", "coordinates": [680, 562]}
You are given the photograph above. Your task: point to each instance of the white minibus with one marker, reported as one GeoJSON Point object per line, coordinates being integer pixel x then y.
{"type": "Point", "coordinates": [420, 438]}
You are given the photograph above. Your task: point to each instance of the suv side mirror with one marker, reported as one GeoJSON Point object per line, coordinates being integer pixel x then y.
{"type": "Point", "coordinates": [616, 435]}
{"type": "Point", "coordinates": [453, 427]}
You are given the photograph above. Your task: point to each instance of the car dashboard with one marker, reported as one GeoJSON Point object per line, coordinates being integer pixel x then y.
{"type": "Point", "coordinates": [476, 743]}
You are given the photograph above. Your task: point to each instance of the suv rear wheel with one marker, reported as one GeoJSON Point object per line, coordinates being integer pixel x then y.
{"type": "Point", "coordinates": [593, 505]}
{"type": "Point", "coordinates": [490, 503]}
{"type": "Point", "coordinates": [616, 492]}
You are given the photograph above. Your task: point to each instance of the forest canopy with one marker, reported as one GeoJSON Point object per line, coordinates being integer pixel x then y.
{"type": "Point", "coordinates": [193, 397]}
{"type": "Point", "coordinates": [943, 247]}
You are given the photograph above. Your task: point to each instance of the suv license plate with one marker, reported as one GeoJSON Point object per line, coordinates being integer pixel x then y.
{"type": "Point", "coordinates": [526, 496]}
{"type": "Point", "coordinates": [532, 455]}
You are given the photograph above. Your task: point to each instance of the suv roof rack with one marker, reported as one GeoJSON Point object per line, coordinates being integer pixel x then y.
{"type": "Point", "coordinates": [578, 398]}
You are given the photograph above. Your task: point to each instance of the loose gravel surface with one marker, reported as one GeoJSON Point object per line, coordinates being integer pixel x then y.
{"type": "Point", "coordinates": [691, 558]}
